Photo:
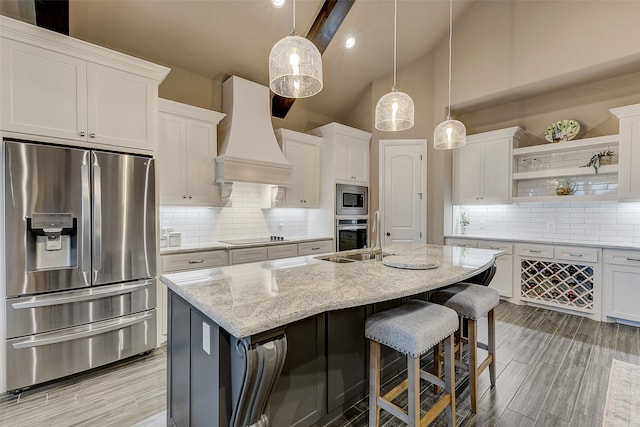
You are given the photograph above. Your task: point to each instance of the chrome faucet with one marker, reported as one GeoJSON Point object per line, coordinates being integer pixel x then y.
{"type": "Point", "coordinates": [376, 229]}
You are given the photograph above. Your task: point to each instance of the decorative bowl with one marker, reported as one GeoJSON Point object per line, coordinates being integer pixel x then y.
{"type": "Point", "coordinates": [562, 130]}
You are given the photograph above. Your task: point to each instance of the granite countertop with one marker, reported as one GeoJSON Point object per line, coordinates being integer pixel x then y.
{"type": "Point", "coordinates": [586, 243]}
{"type": "Point", "coordinates": [248, 299]}
{"type": "Point", "coordinates": [211, 246]}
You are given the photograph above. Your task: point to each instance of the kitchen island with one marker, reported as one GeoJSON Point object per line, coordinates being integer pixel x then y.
{"type": "Point", "coordinates": [232, 329]}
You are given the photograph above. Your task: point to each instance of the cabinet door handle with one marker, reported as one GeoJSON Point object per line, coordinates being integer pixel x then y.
{"type": "Point", "coordinates": [184, 196]}
{"type": "Point", "coordinates": [82, 134]}
{"type": "Point", "coordinates": [633, 259]}
{"type": "Point", "coordinates": [92, 135]}
{"type": "Point", "coordinates": [190, 196]}
{"type": "Point", "coordinates": [576, 255]}
{"type": "Point", "coordinates": [196, 261]}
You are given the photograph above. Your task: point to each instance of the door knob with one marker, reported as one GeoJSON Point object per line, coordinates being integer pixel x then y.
{"type": "Point", "coordinates": [388, 234]}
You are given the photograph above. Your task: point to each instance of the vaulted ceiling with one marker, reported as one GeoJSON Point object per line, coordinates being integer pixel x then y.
{"type": "Point", "coordinates": [217, 38]}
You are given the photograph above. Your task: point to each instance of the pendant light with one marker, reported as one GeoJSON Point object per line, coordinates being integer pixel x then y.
{"type": "Point", "coordinates": [450, 133]}
{"type": "Point", "coordinates": [295, 66]}
{"type": "Point", "coordinates": [395, 110]}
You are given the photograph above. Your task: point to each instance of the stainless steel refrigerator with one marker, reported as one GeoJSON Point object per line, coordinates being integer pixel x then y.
{"type": "Point", "coordinates": [80, 260]}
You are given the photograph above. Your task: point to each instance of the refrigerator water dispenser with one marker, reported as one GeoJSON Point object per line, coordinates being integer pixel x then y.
{"type": "Point", "coordinates": [52, 241]}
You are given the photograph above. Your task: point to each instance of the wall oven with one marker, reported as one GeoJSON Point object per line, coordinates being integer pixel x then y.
{"type": "Point", "coordinates": [351, 199]}
{"type": "Point", "coordinates": [351, 233]}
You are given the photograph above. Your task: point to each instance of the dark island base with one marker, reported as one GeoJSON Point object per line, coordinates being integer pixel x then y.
{"type": "Point", "coordinates": [324, 372]}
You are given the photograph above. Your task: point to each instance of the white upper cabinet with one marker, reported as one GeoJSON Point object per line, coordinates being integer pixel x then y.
{"type": "Point", "coordinates": [349, 152]}
{"type": "Point", "coordinates": [629, 156]}
{"type": "Point", "coordinates": [482, 168]}
{"type": "Point", "coordinates": [59, 87]}
{"type": "Point", "coordinates": [303, 152]}
{"type": "Point", "coordinates": [186, 152]}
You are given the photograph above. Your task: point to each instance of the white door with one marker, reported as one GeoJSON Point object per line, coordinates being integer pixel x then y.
{"type": "Point", "coordinates": [402, 197]}
{"type": "Point", "coordinates": [200, 154]}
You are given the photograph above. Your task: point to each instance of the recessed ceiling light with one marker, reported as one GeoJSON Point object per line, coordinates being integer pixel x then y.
{"type": "Point", "coordinates": [278, 3]}
{"type": "Point", "coordinates": [350, 42]}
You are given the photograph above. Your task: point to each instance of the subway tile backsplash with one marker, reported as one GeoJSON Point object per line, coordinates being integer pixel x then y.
{"type": "Point", "coordinates": [606, 222]}
{"type": "Point", "coordinates": [245, 219]}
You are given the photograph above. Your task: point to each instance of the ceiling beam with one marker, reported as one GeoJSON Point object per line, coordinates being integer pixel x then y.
{"type": "Point", "coordinates": [321, 33]}
{"type": "Point", "coordinates": [53, 15]}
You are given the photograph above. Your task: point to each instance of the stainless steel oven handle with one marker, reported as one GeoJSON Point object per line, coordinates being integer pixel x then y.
{"type": "Point", "coordinates": [352, 228]}
{"type": "Point", "coordinates": [104, 328]}
{"type": "Point", "coordinates": [88, 295]}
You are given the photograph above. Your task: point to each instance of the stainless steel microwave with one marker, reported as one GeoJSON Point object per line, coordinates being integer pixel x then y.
{"type": "Point", "coordinates": [352, 199]}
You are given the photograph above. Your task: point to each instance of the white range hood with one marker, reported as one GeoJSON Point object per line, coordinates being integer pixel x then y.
{"type": "Point", "coordinates": [248, 150]}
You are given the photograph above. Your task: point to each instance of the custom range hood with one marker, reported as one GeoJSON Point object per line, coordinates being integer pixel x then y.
{"type": "Point", "coordinates": [248, 151]}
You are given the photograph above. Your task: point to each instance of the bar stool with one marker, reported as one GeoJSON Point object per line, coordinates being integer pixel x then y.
{"type": "Point", "coordinates": [471, 302]}
{"type": "Point", "coordinates": [412, 328]}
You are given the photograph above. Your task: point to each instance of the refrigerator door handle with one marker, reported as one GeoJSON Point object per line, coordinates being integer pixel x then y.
{"type": "Point", "coordinates": [85, 295]}
{"type": "Point", "coordinates": [88, 331]}
{"type": "Point", "coordinates": [85, 237]}
{"type": "Point", "coordinates": [97, 217]}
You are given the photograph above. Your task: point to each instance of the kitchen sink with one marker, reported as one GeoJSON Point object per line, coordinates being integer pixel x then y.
{"type": "Point", "coordinates": [363, 256]}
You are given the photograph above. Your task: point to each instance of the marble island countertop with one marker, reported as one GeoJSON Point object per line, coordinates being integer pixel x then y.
{"type": "Point", "coordinates": [252, 298]}
{"type": "Point", "coordinates": [209, 246]}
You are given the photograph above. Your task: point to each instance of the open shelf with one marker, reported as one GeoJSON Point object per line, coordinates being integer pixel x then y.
{"type": "Point", "coordinates": [553, 173]}
{"type": "Point", "coordinates": [579, 198]}
{"type": "Point", "coordinates": [569, 145]}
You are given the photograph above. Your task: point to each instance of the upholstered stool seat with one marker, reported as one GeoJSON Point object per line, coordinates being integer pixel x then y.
{"type": "Point", "coordinates": [471, 302]}
{"type": "Point", "coordinates": [412, 328]}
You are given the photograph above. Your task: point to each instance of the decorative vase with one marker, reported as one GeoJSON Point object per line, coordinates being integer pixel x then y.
{"type": "Point", "coordinates": [463, 229]}
{"type": "Point", "coordinates": [605, 160]}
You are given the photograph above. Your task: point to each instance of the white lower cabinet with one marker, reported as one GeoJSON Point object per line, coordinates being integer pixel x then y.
{"type": "Point", "coordinates": [503, 279]}
{"type": "Point", "coordinates": [315, 247]}
{"type": "Point", "coordinates": [241, 256]}
{"type": "Point", "coordinates": [621, 285]}
{"type": "Point", "coordinates": [282, 251]}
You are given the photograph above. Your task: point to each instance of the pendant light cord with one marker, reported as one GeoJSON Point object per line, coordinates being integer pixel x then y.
{"type": "Point", "coordinates": [395, 35]}
{"type": "Point", "coordinates": [294, 32]}
{"type": "Point", "coordinates": [450, 35]}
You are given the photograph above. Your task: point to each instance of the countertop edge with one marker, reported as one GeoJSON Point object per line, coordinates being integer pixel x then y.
{"type": "Point", "coordinates": [603, 245]}
{"type": "Point", "coordinates": [213, 246]}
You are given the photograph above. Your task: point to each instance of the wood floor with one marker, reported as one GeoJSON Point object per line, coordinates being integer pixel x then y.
{"type": "Point", "coordinates": [553, 370]}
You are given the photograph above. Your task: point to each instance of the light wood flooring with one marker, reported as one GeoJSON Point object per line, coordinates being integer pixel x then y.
{"type": "Point", "coordinates": [553, 370]}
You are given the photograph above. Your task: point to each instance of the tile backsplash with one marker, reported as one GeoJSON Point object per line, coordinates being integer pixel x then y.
{"type": "Point", "coordinates": [607, 222]}
{"type": "Point", "coordinates": [243, 220]}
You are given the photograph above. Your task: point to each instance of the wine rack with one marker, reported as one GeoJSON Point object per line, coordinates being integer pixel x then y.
{"type": "Point", "coordinates": [559, 284]}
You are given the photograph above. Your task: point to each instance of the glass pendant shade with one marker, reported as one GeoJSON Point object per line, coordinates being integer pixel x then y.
{"type": "Point", "coordinates": [295, 68]}
{"type": "Point", "coordinates": [394, 112]}
{"type": "Point", "coordinates": [449, 134]}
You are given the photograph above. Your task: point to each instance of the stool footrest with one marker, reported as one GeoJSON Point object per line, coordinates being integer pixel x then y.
{"type": "Point", "coordinates": [482, 366]}
{"type": "Point", "coordinates": [435, 410]}
{"type": "Point", "coordinates": [483, 346]}
{"type": "Point", "coordinates": [396, 391]}
{"type": "Point", "coordinates": [428, 376]}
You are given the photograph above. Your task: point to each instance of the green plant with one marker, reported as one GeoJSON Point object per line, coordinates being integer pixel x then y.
{"type": "Point", "coordinates": [464, 219]}
{"type": "Point", "coordinates": [595, 159]}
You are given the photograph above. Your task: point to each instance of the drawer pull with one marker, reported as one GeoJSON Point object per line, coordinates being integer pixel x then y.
{"type": "Point", "coordinates": [534, 252]}
{"type": "Point", "coordinates": [196, 261]}
{"type": "Point", "coordinates": [494, 248]}
{"type": "Point", "coordinates": [633, 259]}
{"type": "Point", "coordinates": [575, 255]}
{"type": "Point", "coordinates": [315, 249]}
